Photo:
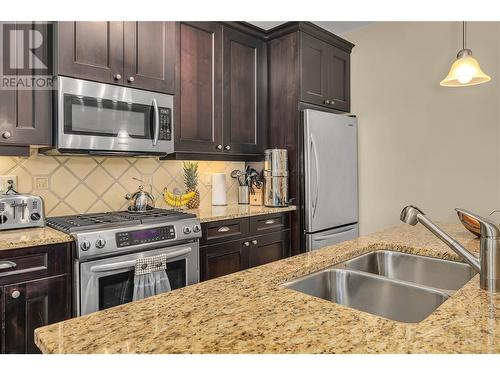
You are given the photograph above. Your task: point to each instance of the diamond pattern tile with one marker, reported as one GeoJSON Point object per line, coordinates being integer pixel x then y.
{"type": "Point", "coordinates": [97, 184]}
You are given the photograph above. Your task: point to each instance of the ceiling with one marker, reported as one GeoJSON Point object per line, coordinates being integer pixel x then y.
{"type": "Point", "coordinates": [336, 27]}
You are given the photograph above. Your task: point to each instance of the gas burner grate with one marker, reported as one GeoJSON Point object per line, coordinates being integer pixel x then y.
{"type": "Point", "coordinates": [71, 223]}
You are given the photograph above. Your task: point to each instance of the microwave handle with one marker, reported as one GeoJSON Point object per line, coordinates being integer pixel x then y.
{"type": "Point", "coordinates": [131, 263]}
{"type": "Point", "coordinates": [157, 122]}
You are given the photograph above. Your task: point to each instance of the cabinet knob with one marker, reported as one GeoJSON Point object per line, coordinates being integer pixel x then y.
{"type": "Point", "coordinates": [131, 79]}
{"type": "Point", "coordinates": [254, 242]}
{"type": "Point", "coordinates": [219, 147]}
{"type": "Point", "coordinates": [15, 294]}
{"type": "Point", "coordinates": [327, 101]}
{"type": "Point", "coordinates": [332, 102]}
{"type": "Point", "coordinates": [246, 243]}
{"type": "Point", "coordinates": [6, 134]}
{"type": "Point", "coordinates": [117, 76]}
{"type": "Point", "coordinates": [228, 147]}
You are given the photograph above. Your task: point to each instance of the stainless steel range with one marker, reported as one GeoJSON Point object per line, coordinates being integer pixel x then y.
{"type": "Point", "coordinates": [109, 244]}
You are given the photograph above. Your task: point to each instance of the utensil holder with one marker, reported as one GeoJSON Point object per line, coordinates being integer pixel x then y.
{"type": "Point", "coordinates": [256, 199]}
{"type": "Point", "coordinates": [243, 195]}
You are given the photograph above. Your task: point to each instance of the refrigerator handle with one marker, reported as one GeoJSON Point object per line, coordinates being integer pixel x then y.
{"type": "Point", "coordinates": [316, 160]}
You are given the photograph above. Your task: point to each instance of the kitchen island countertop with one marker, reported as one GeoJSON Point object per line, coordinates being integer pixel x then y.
{"type": "Point", "coordinates": [251, 312]}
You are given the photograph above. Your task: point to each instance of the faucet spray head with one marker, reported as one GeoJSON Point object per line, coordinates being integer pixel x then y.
{"type": "Point", "coordinates": [409, 215]}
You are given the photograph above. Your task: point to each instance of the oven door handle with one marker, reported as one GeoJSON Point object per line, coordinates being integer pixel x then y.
{"type": "Point", "coordinates": [131, 263]}
{"type": "Point", "coordinates": [157, 122]}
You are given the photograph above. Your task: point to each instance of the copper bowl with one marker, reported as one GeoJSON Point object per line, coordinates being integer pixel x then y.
{"type": "Point", "coordinates": [471, 224]}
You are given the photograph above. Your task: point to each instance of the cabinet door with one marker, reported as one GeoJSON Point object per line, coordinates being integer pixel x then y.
{"type": "Point", "coordinates": [1, 320]}
{"type": "Point", "coordinates": [198, 121]}
{"type": "Point", "coordinates": [31, 305]}
{"type": "Point", "coordinates": [339, 79]}
{"type": "Point", "coordinates": [315, 56]}
{"type": "Point", "coordinates": [243, 93]}
{"type": "Point", "coordinates": [269, 248]}
{"type": "Point", "coordinates": [223, 259]}
{"type": "Point", "coordinates": [26, 115]}
{"type": "Point", "coordinates": [91, 50]}
{"type": "Point", "coordinates": [149, 55]}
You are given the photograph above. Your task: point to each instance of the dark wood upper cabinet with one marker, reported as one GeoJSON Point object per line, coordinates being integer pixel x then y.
{"type": "Point", "coordinates": [136, 54]}
{"type": "Point", "coordinates": [198, 103]}
{"type": "Point", "coordinates": [149, 55]}
{"type": "Point", "coordinates": [32, 305]}
{"type": "Point", "coordinates": [26, 115]}
{"type": "Point", "coordinates": [324, 74]}
{"type": "Point", "coordinates": [91, 50]}
{"type": "Point", "coordinates": [339, 79]}
{"type": "Point", "coordinates": [315, 59]}
{"type": "Point", "coordinates": [244, 103]}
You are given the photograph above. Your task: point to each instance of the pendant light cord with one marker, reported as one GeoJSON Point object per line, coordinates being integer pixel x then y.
{"type": "Point", "coordinates": [464, 34]}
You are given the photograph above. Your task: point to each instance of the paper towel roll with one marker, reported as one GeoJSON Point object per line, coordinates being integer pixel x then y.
{"type": "Point", "coordinates": [219, 197]}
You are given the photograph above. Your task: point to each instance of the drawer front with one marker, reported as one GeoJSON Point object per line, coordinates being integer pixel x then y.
{"type": "Point", "coordinates": [269, 223]}
{"type": "Point", "coordinates": [218, 231]}
{"type": "Point", "coordinates": [33, 262]}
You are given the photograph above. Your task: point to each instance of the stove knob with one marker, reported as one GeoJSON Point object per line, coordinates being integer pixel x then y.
{"type": "Point", "coordinates": [196, 228]}
{"type": "Point", "coordinates": [85, 245]}
{"type": "Point", "coordinates": [100, 243]}
{"type": "Point", "coordinates": [186, 230]}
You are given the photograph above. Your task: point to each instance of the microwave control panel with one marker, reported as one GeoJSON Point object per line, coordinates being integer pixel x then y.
{"type": "Point", "coordinates": [165, 124]}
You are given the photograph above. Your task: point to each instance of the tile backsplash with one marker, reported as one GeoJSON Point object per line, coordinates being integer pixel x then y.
{"type": "Point", "coordinates": [85, 184]}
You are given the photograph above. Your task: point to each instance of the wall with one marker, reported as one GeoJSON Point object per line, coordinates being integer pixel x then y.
{"type": "Point", "coordinates": [91, 184]}
{"type": "Point", "coordinates": [420, 143]}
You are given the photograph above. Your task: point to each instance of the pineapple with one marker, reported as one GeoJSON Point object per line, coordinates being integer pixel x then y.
{"type": "Point", "coordinates": [191, 181]}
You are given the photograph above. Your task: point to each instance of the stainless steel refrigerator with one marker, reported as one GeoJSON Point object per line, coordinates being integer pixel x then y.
{"type": "Point", "coordinates": [330, 178]}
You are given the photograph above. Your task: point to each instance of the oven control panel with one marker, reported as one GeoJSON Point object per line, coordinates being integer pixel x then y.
{"type": "Point", "coordinates": [144, 236]}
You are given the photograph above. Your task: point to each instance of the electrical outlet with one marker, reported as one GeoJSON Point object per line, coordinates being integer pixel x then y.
{"type": "Point", "coordinates": [41, 183]}
{"type": "Point", "coordinates": [4, 185]}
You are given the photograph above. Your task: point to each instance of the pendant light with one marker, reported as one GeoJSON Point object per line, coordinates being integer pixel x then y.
{"type": "Point", "coordinates": [465, 71]}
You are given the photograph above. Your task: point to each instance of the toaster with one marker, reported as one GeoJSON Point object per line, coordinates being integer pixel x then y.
{"type": "Point", "coordinates": [21, 211]}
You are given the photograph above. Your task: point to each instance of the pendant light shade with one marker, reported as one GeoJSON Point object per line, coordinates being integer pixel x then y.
{"type": "Point", "coordinates": [465, 71]}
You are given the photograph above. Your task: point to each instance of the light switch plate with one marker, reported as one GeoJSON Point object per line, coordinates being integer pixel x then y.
{"type": "Point", "coordinates": [4, 184]}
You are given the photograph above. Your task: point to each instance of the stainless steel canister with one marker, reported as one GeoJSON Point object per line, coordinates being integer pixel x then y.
{"type": "Point", "coordinates": [276, 178]}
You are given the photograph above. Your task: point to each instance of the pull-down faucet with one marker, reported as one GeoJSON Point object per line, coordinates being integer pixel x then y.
{"type": "Point", "coordinates": [488, 264]}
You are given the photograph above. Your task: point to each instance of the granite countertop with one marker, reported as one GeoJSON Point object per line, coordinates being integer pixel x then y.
{"type": "Point", "coordinates": [234, 211]}
{"type": "Point", "coordinates": [26, 237]}
{"type": "Point", "coordinates": [251, 312]}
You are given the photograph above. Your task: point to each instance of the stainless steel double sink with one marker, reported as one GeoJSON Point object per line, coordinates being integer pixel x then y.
{"type": "Point", "coordinates": [394, 285]}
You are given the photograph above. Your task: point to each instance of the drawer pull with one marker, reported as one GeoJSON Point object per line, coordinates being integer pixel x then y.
{"type": "Point", "coordinates": [269, 221]}
{"type": "Point", "coordinates": [5, 265]}
{"type": "Point", "coordinates": [223, 229]}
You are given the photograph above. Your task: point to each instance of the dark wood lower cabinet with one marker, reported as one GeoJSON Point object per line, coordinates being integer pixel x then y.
{"type": "Point", "coordinates": [223, 259]}
{"type": "Point", "coordinates": [249, 242]}
{"type": "Point", "coordinates": [32, 305]}
{"type": "Point", "coordinates": [35, 292]}
{"type": "Point", "coordinates": [269, 248]}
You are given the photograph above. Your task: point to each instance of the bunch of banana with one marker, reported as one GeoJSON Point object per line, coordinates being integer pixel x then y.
{"type": "Point", "coordinates": [177, 200]}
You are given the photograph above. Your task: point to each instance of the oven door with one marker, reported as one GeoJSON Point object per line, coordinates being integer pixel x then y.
{"type": "Point", "coordinates": [105, 119]}
{"type": "Point", "coordinates": [109, 282]}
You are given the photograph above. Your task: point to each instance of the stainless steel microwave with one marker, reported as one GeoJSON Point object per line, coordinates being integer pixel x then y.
{"type": "Point", "coordinates": [102, 119]}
